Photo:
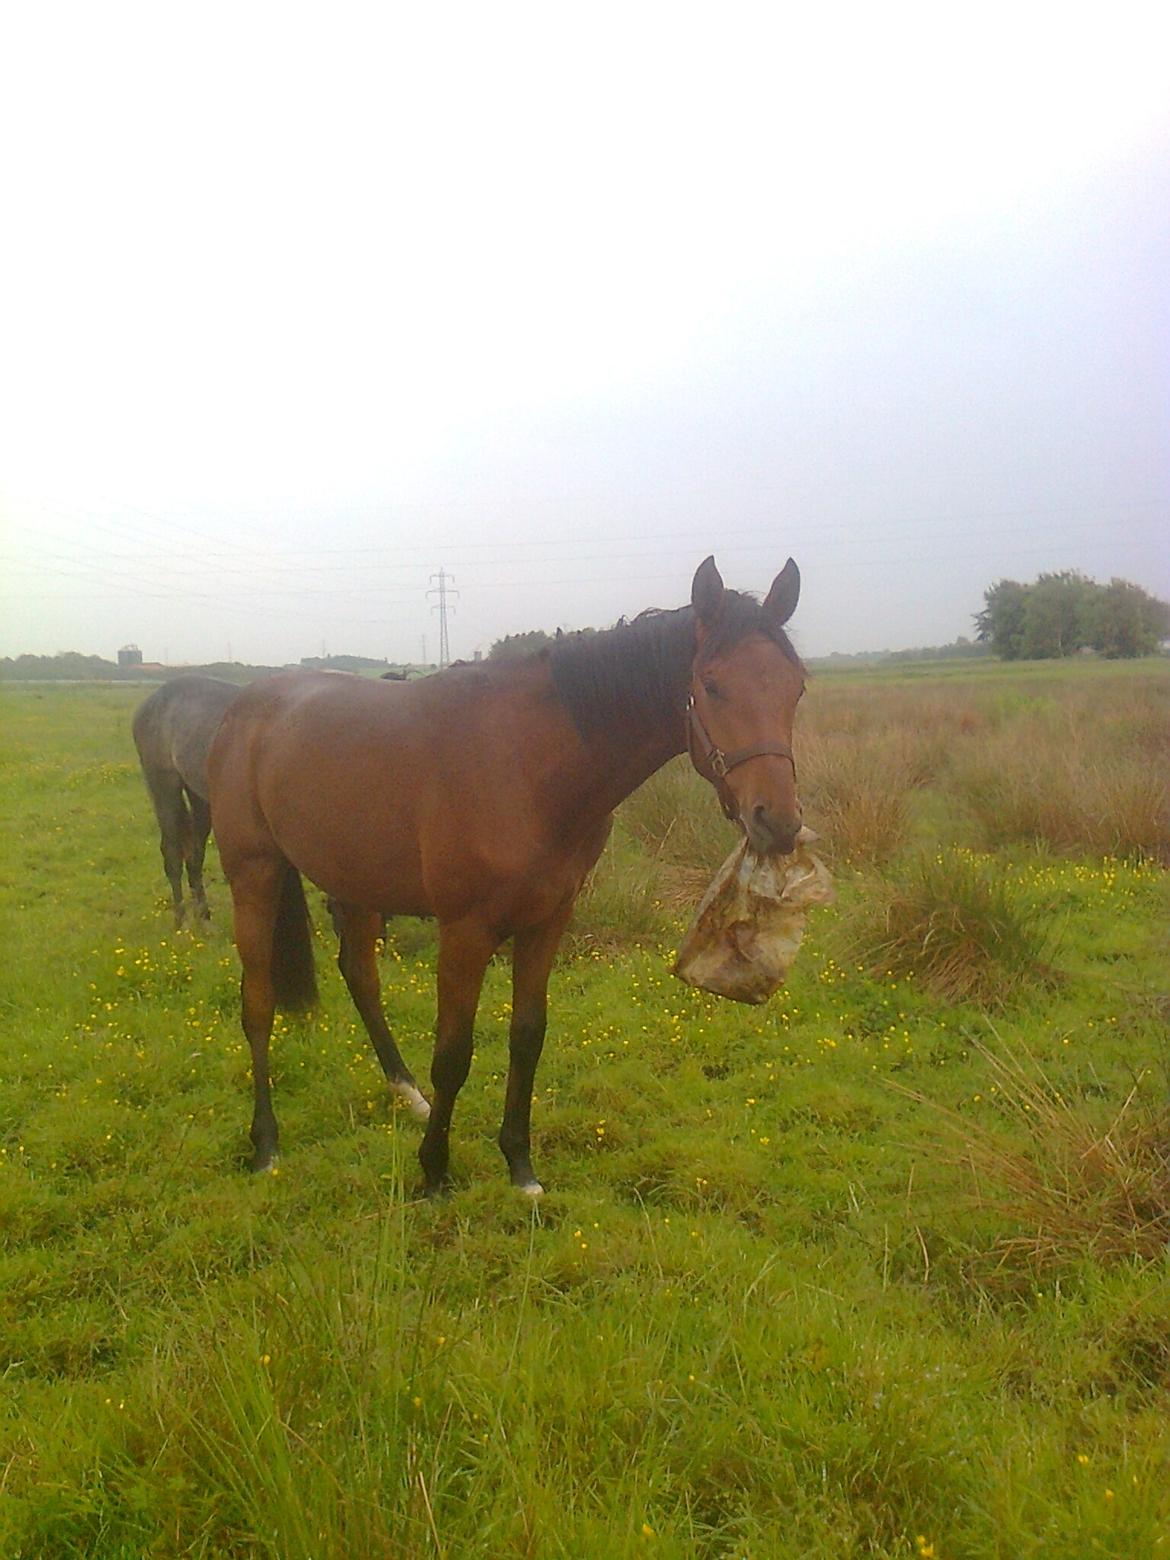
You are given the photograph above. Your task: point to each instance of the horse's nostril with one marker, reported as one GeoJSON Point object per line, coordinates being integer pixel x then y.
{"type": "Point", "coordinates": [769, 835]}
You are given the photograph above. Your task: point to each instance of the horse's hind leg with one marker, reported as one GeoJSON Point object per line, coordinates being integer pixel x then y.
{"type": "Point", "coordinates": [532, 960]}
{"type": "Point", "coordinates": [357, 959]}
{"type": "Point", "coordinates": [256, 888]}
{"type": "Point", "coordinates": [174, 829]}
{"type": "Point", "coordinates": [200, 829]}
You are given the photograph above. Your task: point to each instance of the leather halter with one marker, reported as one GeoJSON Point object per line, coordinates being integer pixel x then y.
{"type": "Point", "coordinates": [714, 764]}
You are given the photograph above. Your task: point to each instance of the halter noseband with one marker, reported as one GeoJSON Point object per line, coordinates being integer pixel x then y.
{"type": "Point", "coordinates": [714, 764]}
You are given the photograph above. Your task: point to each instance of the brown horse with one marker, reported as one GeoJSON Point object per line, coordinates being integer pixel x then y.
{"type": "Point", "coordinates": [483, 796]}
{"type": "Point", "coordinates": [173, 728]}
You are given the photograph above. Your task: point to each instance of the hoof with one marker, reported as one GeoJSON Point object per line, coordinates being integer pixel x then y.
{"type": "Point", "coordinates": [415, 1102]}
{"type": "Point", "coordinates": [531, 1189]}
{"type": "Point", "coordinates": [265, 1164]}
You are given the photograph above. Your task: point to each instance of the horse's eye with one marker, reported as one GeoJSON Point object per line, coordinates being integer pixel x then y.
{"type": "Point", "coordinates": [712, 689]}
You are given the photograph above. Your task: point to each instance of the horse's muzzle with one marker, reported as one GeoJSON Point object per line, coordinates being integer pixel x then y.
{"type": "Point", "coordinates": [769, 833]}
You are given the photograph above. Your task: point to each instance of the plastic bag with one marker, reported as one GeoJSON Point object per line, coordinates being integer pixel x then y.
{"type": "Point", "coordinates": [750, 922]}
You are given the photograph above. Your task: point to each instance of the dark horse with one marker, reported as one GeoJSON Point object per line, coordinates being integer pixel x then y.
{"type": "Point", "coordinates": [173, 728]}
{"type": "Point", "coordinates": [483, 796]}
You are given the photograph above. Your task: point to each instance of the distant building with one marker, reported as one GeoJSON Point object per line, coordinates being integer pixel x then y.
{"type": "Point", "coordinates": [129, 655]}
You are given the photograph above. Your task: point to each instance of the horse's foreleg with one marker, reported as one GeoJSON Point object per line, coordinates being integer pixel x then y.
{"type": "Point", "coordinates": [200, 829]}
{"type": "Point", "coordinates": [255, 897]}
{"type": "Point", "coordinates": [357, 959]}
{"type": "Point", "coordinates": [532, 961]}
{"type": "Point", "coordinates": [464, 950]}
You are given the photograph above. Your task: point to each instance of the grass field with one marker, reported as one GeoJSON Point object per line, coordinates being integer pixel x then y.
{"type": "Point", "coordinates": [878, 1269]}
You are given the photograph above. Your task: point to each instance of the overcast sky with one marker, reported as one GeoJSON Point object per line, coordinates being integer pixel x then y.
{"type": "Point", "coordinates": [301, 305]}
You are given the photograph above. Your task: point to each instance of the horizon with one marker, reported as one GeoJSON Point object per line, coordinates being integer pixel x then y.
{"type": "Point", "coordinates": [150, 662]}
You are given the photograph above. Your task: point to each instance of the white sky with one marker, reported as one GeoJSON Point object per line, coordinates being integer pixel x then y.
{"type": "Point", "coordinates": [300, 304]}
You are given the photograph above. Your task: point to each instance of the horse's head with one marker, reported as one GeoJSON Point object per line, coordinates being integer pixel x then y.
{"type": "Point", "coordinates": [745, 685]}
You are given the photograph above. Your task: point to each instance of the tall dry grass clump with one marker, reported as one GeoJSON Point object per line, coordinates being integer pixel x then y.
{"type": "Point", "coordinates": [1085, 778]}
{"type": "Point", "coordinates": [855, 792]}
{"type": "Point", "coordinates": [1119, 807]}
{"type": "Point", "coordinates": [866, 751]}
{"type": "Point", "coordinates": [1070, 1184]}
{"type": "Point", "coordinates": [955, 924]}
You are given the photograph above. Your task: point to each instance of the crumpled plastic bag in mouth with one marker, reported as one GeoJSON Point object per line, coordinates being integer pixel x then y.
{"type": "Point", "coordinates": [750, 922]}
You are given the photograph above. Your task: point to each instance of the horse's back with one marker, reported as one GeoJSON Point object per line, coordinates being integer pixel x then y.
{"type": "Point", "coordinates": [294, 729]}
{"type": "Point", "coordinates": [174, 726]}
{"type": "Point", "coordinates": [408, 798]}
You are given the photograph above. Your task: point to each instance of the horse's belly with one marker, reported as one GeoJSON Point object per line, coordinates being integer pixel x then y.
{"type": "Point", "coordinates": [374, 880]}
{"type": "Point", "coordinates": [355, 848]}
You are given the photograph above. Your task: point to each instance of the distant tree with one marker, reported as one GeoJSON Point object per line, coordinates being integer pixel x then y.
{"type": "Point", "coordinates": [513, 646]}
{"type": "Point", "coordinates": [1128, 621]}
{"type": "Point", "coordinates": [961, 649]}
{"type": "Point", "coordinates": [1001, 623]}
{"type": "Point", "coordinates": [1057, 616]}
{"type": "Point", "coordinates": [67, 665]}
{"type": "Point", "coordinates": [1063, 613]}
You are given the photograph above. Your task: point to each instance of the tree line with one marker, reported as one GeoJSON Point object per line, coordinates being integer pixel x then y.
{"type": "Point", "coordinates": [1063, 614]}
{"type": "Point", "coordinates": [72, 666]}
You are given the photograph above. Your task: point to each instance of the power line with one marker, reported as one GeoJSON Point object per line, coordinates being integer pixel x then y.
{"type": "Point", "coordinates": [232, 547]}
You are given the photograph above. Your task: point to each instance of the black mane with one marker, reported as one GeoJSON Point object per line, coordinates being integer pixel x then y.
{"type": "Point", "coordinates": [640, 670]}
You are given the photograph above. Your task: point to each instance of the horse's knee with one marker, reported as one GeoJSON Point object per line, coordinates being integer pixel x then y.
{"type": "Point", "coordinates": [526, 1039]}
{"type": "Point", "coordinates": [451, 1064]}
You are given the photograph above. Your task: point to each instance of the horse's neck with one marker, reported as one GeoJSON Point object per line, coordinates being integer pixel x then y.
{"type": "Point", "coordinates": [623, 692]}
{"type": "Point", "coordinates": [612, 766]}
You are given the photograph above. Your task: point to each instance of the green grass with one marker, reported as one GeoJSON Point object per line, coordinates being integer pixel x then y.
{"type": "Point", "coordinates": [851, 1274]}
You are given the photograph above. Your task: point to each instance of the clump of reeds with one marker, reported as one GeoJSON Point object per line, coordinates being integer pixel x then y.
{"type": "Point", "coordinates": [955, 924]}
{"type": "Point", "coordinates": [857, 806]}
{"type": "Point", "coordinates": [1112, 801]}
{"type": "Point", "coordinates": [858, 780]}
{"type": "Point", "coordinates": [1070, 1184]}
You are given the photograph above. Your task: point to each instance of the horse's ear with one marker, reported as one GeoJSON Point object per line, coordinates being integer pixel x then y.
{"type": "Point", "coordinates": [707, 592]}
{"type": "Point", "coordinates": [780, 603]}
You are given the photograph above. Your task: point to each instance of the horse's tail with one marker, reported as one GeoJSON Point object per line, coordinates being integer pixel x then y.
{"type": "Point", "coordinates": [293, 973]}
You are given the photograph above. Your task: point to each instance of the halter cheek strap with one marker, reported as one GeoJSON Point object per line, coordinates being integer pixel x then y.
{"type": "Point", "coordinates": [714, 764]}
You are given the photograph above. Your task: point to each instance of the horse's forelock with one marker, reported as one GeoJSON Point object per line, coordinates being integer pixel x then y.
{"type": "Point", "coordinates": [742, 614]}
